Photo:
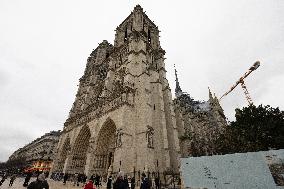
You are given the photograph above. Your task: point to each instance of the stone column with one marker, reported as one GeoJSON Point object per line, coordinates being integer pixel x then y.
{"type": "Point", "coordinates": [90, 157]}
{"type": "Point", "coordinates": [67, 163]}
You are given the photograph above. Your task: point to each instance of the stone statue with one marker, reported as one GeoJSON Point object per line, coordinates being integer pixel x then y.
{"type": "Point", "coordinates": [118, 138]}
{"type": "Point", "coordinates": [149, 136]}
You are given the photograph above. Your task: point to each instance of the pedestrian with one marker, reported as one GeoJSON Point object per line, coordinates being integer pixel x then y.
{"type": "Point", "coordinates": [75, 179]}
{"type": "Point", "coordinates": [65, 178]}
{"type": "Point", "coordinates": [125, 181]}
{"type": "Point", "coordinates": [132, 183]}
{"type": "Point", "coordinates": [97, 181]}
{"type": "Point", "coordinates": [84, 179]}
{"type": "Point", "coordinates": [129, 182]}
{"type": "Point", "coordinates": [79, 178]}
{"type": "Point", "coordinates": [93, 178]}
{"type": "Point", "coordinates": [109, 182]}
{"type": "Point", "coordinates": [3, 178]}
{"type": "Point", "coordinates": [40, 183]}
{"type": "Point", "coordinates": [27, 179]}
{"type": "Point", "coordinates": [12, 179]}
{"type": "Point", "coordinates": [119, 183]}
{"type": "Point", "coordinates": [145, 184]}
{"type": "Point", "coordinates": [89, 185]}
{"type": "Point", "coordinates": [157, 182]}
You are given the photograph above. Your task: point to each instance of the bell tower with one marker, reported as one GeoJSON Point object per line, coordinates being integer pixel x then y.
{"type": "Point", "coordinates": [145, 70]}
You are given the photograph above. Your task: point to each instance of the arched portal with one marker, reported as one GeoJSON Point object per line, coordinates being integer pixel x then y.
{"type": "Point", "coordinates": [63, 155]}
{"type": "Point", "coordinates": [105, 148]}
{"type": "Point", "coordinates": [79, 153]}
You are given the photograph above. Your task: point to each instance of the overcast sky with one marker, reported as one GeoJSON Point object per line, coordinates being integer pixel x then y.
{"type": "Point", "coordinates": [44, 46]}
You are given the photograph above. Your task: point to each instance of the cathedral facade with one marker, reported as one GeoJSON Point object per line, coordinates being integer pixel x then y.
{"type": "Point", "coordinates": [123, 117]}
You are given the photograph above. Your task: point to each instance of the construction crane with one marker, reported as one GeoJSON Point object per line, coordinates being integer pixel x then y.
{"type": "Point", "coordinates": [241, 81]}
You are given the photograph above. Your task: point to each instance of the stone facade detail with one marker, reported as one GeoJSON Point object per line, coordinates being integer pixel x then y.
{"type": "Point", "coordinates": [199, 124]}
{"type": "Point", "coordinates": [123, 116]}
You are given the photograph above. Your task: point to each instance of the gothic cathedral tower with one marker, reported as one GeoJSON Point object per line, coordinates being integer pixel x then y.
{"type": "Point", "coordinates": [122, 118]}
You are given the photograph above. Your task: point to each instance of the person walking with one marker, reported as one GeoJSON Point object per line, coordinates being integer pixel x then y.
{"type": "Point", "coordinates": [27, 179]}
{"type": "Point", "coordinates": [3, 178]}
{"type": "Point", "coordinates": [126, 181]}
{"type": "Point", "coordinates": [145, 184]}
{"type": "Point", "coordinates": [132, 183]}
{"type": "Point", "coordinates": [84, 178]}
{"type": "Point", "coordinates": [75, 178]}
{"type": "Point", "coordinates": [89, 185]}
{"type": "Point", "coordinates": [157, 183]}
{"type": "Point", "coordinates": [109, 182]}
{"type": "Point", "coordinates": [12, 179]}
{"type": "Point", "coordinates": [97, 181]}
{"type": "Point", "coordinates": [79, 179]}
{"type": "Point", "coordinates": [119, 183]}
{"type": "Point", "coordinates": [92, 178]}
{"type": "Point", "coordinates": [65, 178]}
{"type": "Point", "coordinates": [129, 182]}
{"type": "Point", "coordinates": [40, 183]}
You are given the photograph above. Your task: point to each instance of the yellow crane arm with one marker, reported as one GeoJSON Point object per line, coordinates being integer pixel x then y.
{"type": "Point", "coordinates": [251, 69]}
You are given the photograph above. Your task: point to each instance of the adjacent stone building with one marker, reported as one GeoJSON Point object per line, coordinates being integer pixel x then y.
{"type": "Point", "coordinates": [39, 154]}
{"type": "Point", "coordinates": [199, 123]}
{"type": "Point", "coordinates": [123, 117]}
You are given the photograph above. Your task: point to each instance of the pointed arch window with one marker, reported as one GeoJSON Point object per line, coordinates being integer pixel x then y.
{"type": "Point", "coordinates": [125, 34]}
{"type": "Point", "coordinates": [149, 36]}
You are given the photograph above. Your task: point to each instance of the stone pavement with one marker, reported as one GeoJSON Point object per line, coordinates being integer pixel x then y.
{"type": "Point", "coordinates": [18, 184]}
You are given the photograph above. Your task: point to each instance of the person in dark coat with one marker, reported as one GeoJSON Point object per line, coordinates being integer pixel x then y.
{"type": "Point", "coordinates": [79, 179]}
{"type": "Point", "coordinates": [84, 178]}
{"type": "Point", "coordinates": [157, 182]}
{"type": "Point", "coordinates": [109, 182]}
{"type": "Point", "coordinates": [75, 179]}
{"type": "Point", "coordinates": [65, 178]}
{"type": "Point", "coordinates": [93, 178]}
{"type": "Point", "coordinates": [12, 179]}
{"type": "Point", "coordinates": [3, 179]}
{"type": "Point", "coordinates": [126, 181]}
{"type": "Point", "coordinates": [27, 179]}
{"type": "Point", "coordinates": [97, 181]}
{"type": "Point", "coordinates": [119, 183]}
{"type": "Point", "coordinates": [132, 183]}
{"type": "Point", "coordinates": [145, 184]}
{"type": "Point", "coordinates": [40, 183]}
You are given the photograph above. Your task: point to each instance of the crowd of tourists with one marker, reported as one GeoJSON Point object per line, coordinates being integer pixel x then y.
{"type": "Point", "coordinates": [94, 182]}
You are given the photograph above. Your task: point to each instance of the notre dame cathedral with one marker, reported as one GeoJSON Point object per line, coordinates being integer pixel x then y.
{"type": "Point", "coordinates": [124, 117]}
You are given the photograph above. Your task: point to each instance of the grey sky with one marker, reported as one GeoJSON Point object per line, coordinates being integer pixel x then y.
{"type": "Point", "coordinates": [44, 46]}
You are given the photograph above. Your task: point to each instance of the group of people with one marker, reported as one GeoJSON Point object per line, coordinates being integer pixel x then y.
{"type": "Point", "coordinates": [121, 182]}
{"type": "Point", "coordinates": [39, 183]}
{"type": "Point", "coordinates": [76, 179]}
{"type": "Point", "coordinates": [12, 178]}
{"type": "Point", "coordinates": [129, 183]}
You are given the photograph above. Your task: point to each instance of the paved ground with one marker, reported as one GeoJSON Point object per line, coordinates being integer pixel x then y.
{"type": "Point", "coordinates": [18, 184]}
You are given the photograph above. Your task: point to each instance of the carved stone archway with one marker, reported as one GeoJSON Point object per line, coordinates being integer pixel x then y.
{"type": "Point", "coordinates": [105, 148]}
{"type": "Point", "coordinates": [66, 148]}
{"type": "Point", "coordinates": [79, 152]}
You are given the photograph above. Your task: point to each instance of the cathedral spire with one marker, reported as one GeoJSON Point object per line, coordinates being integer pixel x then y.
{"type": "Point", "coordinates": [210, 95]}
{"type": "Point", "coordinates": [178, 90]}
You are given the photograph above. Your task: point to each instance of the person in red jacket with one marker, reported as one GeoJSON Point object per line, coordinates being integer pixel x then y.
{"type": "Point", "coordinates": [89, 185]}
